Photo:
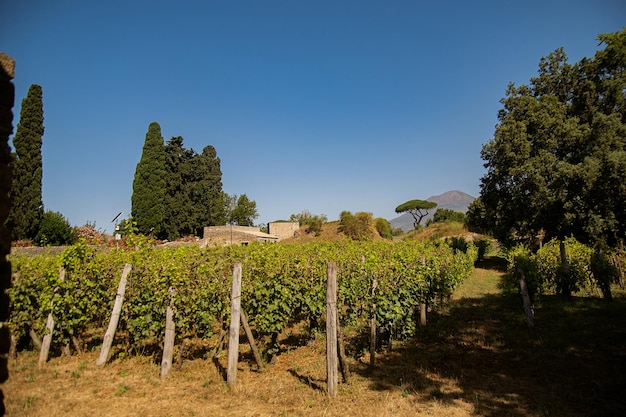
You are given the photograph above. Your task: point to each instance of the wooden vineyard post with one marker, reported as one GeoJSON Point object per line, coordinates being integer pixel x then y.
{"type": "Point", "coordinates": [47, 339]}
{"type": "Point", "coordinates": [528, 308]}
{"type": "Point", "coordinates": [343, 364]}
{"type": "Point", "coordinates": [115, 317]}
{"type": "Point", "coordinates": [331, 329]}
{"type": "Point", "coordinates": [255, 350]}
{"type": "Point", "coordinates": [373, 326]}
{"type": "Point", "coordinates": [170, 334]}
{"type": "Point", "coordinates": [233, 340]}
{"type": "Point", "coordinates": [423, 304]}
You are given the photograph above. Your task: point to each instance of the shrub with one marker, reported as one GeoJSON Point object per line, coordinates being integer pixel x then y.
{"type": "Point", "coordinates": [383, 227]}
{"type": "Point", "coordinates": [55, 230]}
{"type": "Point", "coordinates": [446, 215]}
{"type": "Point", "coordinates": [313, 221]}
{"type": "Point", "coordinates": [359, 226]}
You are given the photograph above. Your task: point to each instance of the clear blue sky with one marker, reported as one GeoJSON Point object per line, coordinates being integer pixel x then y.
{"type": "Point", "coordinates": [322, 106]}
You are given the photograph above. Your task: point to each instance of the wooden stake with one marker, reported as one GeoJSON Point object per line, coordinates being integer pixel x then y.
{"type": "Point", "coordinates": [170, 334]}
{"type": "Point", "coordinates": [343, 364]}
{"type": "Point", "coordinates": [235, 318]}
{"type": "Point", "coordinates": [47, 339]}
{"type": "Point", "coordinates": [331, 329]}
{"type": "Point", "coordinates": [255, 350]}
{"type": "Point", "coordinates": [528, 308]}
{"type": "Point", "coordinates": [115, 317]}
{"type": "Point", "coordinates": [373, 326]}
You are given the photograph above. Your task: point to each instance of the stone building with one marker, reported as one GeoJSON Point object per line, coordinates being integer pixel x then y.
{"type": "Point", "coordinates": [283, 230]}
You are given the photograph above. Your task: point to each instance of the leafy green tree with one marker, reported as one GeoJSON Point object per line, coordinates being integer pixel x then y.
{"type": "Point", "coordinates": [243, 211]}
{"type": "Point", "coordinates": [178, 207]}
{"type": "Point", "coordinates": [194, 197]}
{"type": "Point", "coordinates": [313, 222]}
{"type": "Point", "coordinates": [476, 219]}
{"type": "Point", "coordinates": [26, 192]}
{"type": "Point", "coordinates": [207, 192]}
{"type": "Point", "coordinates": [383, 227]}
{"type": "Point", "coordinates": [55, 230]}
{"type": "Point", "coordinates": [148, 209]}
{"type": "Point", "coordinates": [417, 208]}
{"type": "Point", "coordinates": [359, 226]}
{"type": "Point", "coordinates": [446, 215]}
{"type": "Point", "coordinates": [557, 161]}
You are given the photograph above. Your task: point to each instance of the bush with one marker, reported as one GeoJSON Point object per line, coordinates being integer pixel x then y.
{"type": "Point", "coordinates": [359, 226]}
{"type": "Point", "coordinates": [313, 221]}
{"type": "Point", "coordinates": [55, 230]}
{"type": "Point", "coordinates": [446, 215]}
{"type": "Point", "coordinates": [383, 227]}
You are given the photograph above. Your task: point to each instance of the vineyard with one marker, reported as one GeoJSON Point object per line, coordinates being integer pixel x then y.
{"type": "Point", "coordinates": [476, 355]}
{"type": "Point", "coordinates": [283, 286]}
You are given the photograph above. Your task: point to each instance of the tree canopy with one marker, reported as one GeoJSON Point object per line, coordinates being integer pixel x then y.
{"type": "Point", "coordinates": [557, 162]}
{"type": "Point", "coordinates": [177, 192]}
{"type": "Point", "coordinates": [417, 208]}
{"type": "Point", "coordinates": [26, 191]}
{"type": "Point", "coordinates": [242, 211]}
{"type": "Point", "coordinates": [148, 209]}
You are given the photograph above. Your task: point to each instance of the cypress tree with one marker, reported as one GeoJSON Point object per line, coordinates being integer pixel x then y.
{"type": "Point", "coordinates": [193, 190]}
{"type": "Point", "coordinates": [26, 192]}
{"type": "Point", "coordinates": [208, 194]}
{"type": "Point", "coordinates": [149, 184]}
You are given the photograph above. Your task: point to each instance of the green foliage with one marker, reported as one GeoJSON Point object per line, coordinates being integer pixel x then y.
{"type": "Point", "coordinates": [476, 218]}
{"type": "Point", "coordinates": [243, 211]}
{"type": "Point", "coordinates": [447, 215]}
{"type": "Point", "coordinates": [283, 284]}
{"type": "Point", "coordinates": [484, 246]}
{"type": "Point", "coordinates": [193, 197]}
{"type": "Point", "coordinates": [148, 196]}
{"type": "Point", "coordinates": [558, 157]}
{"type": "Point", "coordinates": [417, 208]}
{"type": "Point", "coordinates": [55, 230]}
{"type": "Point", "coordinates": [383, 227]}
{"type": "Point", "coordinates": [26, 190]}
{"type": "Point", "coordinates": [313, 222]}
{"type": "Point", "coordinates": [544, 273]}
{"type": "Point", "coordinates": [359, 226]}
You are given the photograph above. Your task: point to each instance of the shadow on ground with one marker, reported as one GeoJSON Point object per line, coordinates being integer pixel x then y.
{"type": "Point", "coordinates": [480, 351]}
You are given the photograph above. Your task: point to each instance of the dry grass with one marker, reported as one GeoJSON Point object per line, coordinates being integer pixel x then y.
{"type": "Point", "coordinates": [475, 358]}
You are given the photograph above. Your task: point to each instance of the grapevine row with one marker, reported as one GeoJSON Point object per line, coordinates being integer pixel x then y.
{"type": "Point", "coordinates": [282, 285]}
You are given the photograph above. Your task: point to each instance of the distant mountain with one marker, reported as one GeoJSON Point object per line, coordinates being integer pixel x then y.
{"type": "Point", "coordinates": [452, 200]}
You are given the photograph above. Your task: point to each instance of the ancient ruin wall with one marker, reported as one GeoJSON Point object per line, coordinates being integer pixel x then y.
{"type": "Point", "coordinates": [283, 230]}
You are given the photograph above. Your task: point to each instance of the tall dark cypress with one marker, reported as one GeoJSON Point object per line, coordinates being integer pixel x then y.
{"type": "Point", "coordinates": [26, 192]}
{"type": "Point", "coordinates": [211, 196]}
{"type": "Point", "coordinates": [149, 184]}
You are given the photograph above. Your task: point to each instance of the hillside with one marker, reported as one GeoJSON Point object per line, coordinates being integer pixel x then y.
{"type": "Point", "coordinates": [452, 200]}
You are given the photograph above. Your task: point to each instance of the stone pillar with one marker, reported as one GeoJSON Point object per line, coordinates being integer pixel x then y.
{"type": "Point", "coordinates": [7, 100]}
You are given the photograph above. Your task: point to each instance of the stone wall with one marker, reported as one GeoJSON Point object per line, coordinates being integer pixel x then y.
{"type": "Point", "coordinates": [7, 100]}
{"type": "Point", "coordinates": [283, 230]}
{"type": "Point", "coordinates": [228, 235]}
